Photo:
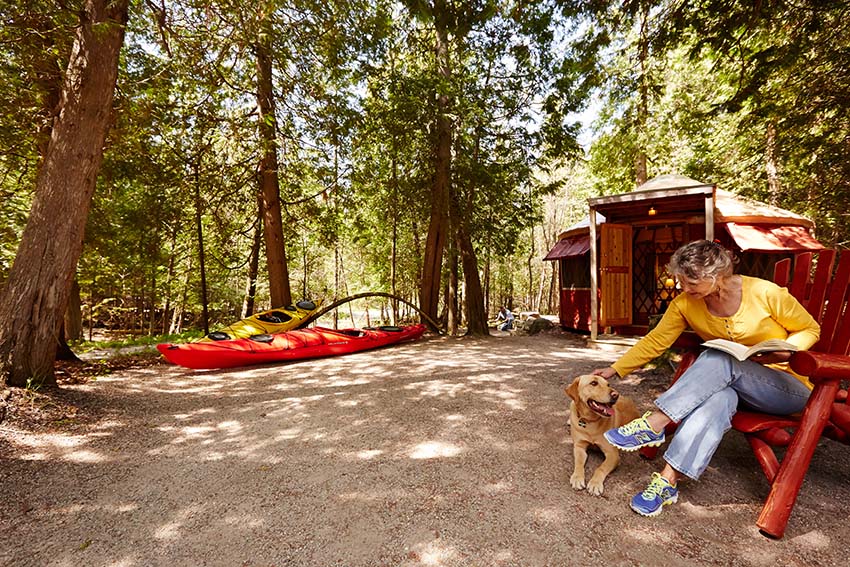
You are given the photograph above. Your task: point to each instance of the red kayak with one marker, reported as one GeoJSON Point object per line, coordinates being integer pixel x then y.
{"type": "Point", "coordinates": [291, 345]}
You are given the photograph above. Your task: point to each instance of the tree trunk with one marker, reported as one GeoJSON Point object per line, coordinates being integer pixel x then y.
{"type": "Point", "coordinates": [180, 308]}
{"type": "Point", "coordinates": [452, 293]}
{"type": "Point", "coordinates": [254, 264]}
{"type": "Point", "coordinates": [461, 211]}
{"type": "Point", "coordinates": [394, 249]}
{"type": "Point", "coordinates": [74, 314]}
{"type": "Point", "coordinates": [36, 293]}
{"type": "Point", "coordinates": [166, 310]}
{"type": "Point", "coordinates": [279, 290]}
{"type": "Point", "coordinates": [530, 267]}
{"type": "Point", "coordinates": [199, 229]}
{"type": "Point", "coordinates": [63, 351]}
{"type": "Point", "coordinates": [476, 316]}
{"type": "Point", "coordinates": [487, 274]}
{"type": "Point", "coordinates": [641, 174]}
{"type": "Point", "coordinates": [437, 227]}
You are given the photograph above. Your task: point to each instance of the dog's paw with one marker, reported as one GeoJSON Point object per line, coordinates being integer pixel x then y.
{"type": "Point", "coordinates": [595, 487]}
{"type": "Point", "coordinates": [577, 481]}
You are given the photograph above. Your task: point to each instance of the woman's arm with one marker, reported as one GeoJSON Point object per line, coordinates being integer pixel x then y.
{"type": "Point", "coordinates": [659, 339]}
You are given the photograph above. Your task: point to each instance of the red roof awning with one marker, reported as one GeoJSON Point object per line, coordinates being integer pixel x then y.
{"type": "Point", "coordinates": [568, 247]}
{"type": "Point", "coordinates": [765, 238]}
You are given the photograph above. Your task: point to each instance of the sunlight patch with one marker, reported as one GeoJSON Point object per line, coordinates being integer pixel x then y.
{"type": "Point", "coordinates": [34, 457]}
{"type": "Point", "coordinates": [494, 487]}
{"type": "Point", "coordinates": [436, 389]}
{"type": "Point", "coordinates": [815, 539]}
{"type": "Point", "coordinates": [368, 454]}
{"type": "Point", "coordinates": [434, 553]}
{"type": "Point", "coordinates": [289, 433]}
{"type": "Point", "coordinates": [84, 457]}
{"type": "Point", "coordinates": [198, 430]}
{"type": "Point", "coordinates": [548, 515]}
{"type": "Point", "coordinates": [509, 399]}
{"type": "Point", "coordinates": [62, 447]}
{"type": "Point", "coordinates": [653, 534]}
{"type": "Point", "coordinates": [434, 449]}
{"type": "Point", "coordinates": [701, 511]}
{"type": "Point", "coordinates": [240, 522]}
{"type": "Point", "coordinates": [171, 530]}
{"type": "Point", "coordinates": [168, 531]}
{"type": "Point", "coordinates": [113, 424]}
{"type": "Point", "coordinates": [348, 382]}
{"type": "Point", "coordinates": [757, 555]}
{"type": "Point", "coordinates": [570, 353]}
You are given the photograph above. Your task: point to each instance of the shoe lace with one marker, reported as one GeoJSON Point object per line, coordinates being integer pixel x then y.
{"type": "Point", "coordinates": [634, 426]}
{"type": "Point", "coordinates": [656, 487]}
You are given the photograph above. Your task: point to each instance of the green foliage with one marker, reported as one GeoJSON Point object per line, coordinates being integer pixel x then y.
{"type": "Point", "coordinates": [695, 86]}
{"type": "Point", "coordinates": [724, 77]}
{"type": "Point", "coordinates": [145, 340]}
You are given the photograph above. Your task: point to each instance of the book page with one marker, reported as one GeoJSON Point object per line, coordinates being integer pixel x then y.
{"type": "Point", "coordinates": [743, 352]}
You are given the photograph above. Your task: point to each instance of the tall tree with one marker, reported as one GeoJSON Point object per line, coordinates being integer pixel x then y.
{"type": "Point", "coordinates": [438, 224]}
{"type": "Point", "coordinates": [276, 263]}
{"type": "Point", "coordinates": [36, 294]}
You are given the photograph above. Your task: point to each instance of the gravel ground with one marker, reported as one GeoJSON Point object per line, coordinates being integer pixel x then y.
{"type": "Point", "coordinates": [439, 452]}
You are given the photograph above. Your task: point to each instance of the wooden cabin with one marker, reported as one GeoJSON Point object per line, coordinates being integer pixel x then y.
{"type": "Point", "coordinates": [623, 248]}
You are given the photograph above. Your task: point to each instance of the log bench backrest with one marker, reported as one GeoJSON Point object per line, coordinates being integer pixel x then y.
{"type": "Point", "coordinates": [824, 295]}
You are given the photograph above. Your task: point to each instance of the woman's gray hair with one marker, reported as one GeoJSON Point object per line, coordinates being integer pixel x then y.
{"type": "Point", "coordinates": [701, 260]}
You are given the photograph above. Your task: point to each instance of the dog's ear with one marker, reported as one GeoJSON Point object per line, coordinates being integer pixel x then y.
{"type": "Point", "coordinates": [572, 390]}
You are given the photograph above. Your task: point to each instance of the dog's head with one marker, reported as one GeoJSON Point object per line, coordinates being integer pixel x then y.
{"type": "Point", "coordinates": [594, 392]}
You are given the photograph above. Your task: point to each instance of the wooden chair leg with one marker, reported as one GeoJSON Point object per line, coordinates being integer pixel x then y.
{"type": "Point", "coordinates": [765, 456]}
{"type": "Point", "coordinates": [650, 453]}
{"type": "Point", "coordinates": [783, 492]}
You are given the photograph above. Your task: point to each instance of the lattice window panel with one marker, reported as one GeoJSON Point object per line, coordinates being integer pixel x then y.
{"type": "Point", "coordinates": [649, 277]}
{"type": "Point", "coordinates": [643, 269]}
{"type": "Point", "coordinates": [758, 264]}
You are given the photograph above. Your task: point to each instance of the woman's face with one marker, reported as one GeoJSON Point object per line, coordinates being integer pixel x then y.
{"type": "Point", "coordinates": [697, 288]}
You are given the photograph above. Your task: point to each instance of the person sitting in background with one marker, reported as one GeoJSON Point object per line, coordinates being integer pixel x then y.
{"type": "Point", "coordinates": [506, 316]}
{"type": "Point", "coordinates": [715, 304]}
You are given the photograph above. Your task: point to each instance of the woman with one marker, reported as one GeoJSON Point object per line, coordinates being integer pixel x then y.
{"type": "Point", "coordinates": [715, 304]}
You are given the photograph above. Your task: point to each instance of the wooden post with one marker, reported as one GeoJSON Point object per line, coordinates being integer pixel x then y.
{"type": "Point", "coordinates": [594, 280]}
{"type": "Point", "coordinates": [709, 214]}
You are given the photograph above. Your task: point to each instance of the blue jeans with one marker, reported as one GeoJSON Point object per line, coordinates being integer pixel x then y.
{"type": "Point", "coordinates": [706, 396]}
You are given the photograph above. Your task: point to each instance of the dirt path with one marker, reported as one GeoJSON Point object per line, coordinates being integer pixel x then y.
{"type": "Point", "coordinates": [439, 452]}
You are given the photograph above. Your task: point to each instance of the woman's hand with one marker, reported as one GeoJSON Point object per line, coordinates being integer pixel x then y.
{"type": "Point", "coordinates": [772, 357]}
{"type": "Point", "coordinates": [606, 373]}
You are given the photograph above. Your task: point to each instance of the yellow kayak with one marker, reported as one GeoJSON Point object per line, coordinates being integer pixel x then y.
{"type": "Point", "coordinates": [269, 322]}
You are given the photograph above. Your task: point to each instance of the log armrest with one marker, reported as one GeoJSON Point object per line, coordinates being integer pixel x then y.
{"type": "Point", "coordinates": [821, 367]}
{"type": "Point", "coordinates": [688, 341]}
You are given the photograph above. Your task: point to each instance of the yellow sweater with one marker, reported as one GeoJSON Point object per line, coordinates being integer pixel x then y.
{"type": "Point", "coordinates": [767, 311]}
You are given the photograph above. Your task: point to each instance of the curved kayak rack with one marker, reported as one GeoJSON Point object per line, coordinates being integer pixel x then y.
{"type": "Point", "coordinates": [431, 323]}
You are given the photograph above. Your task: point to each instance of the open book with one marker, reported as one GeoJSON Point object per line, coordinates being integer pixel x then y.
{"type": "Point", "coordinates": [743, 352]}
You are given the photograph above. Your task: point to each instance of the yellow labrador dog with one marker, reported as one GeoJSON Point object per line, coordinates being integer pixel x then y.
{"type": "Point", "coordinates": [596, 408]}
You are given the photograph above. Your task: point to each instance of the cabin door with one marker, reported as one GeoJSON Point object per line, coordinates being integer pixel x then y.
{"type": "Point", "coordinates": [615, 275]}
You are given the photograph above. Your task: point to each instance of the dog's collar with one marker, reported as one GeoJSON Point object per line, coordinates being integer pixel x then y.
{"type": "Point", "coordinates": [582, 422]}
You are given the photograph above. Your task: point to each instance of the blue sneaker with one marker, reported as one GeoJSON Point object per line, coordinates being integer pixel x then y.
{"type": "Point", "coordinates": [658, 494]}
{"type": "Point", "coordinates": [635, 435]}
